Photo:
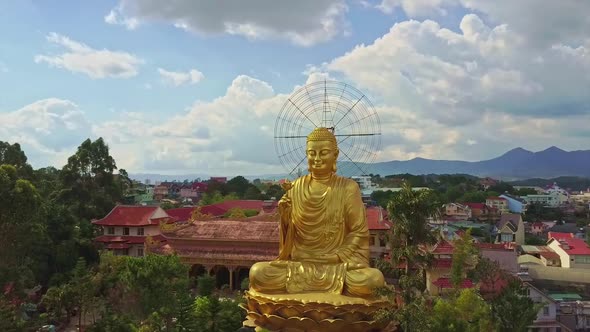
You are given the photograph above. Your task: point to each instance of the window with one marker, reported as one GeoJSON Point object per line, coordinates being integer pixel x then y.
{"type": "Point", "coordinates": [140, 231]}
{"type": "Point", "coordinates": [139, 252]}
{"type": "Point", "coordinates": [110, 230]}
{"type": "Point", "coordinates": [371, 240]}
{"type": "Point", "coordinates": [545, 311]}
{"type": "Point", "coordinates": [126, 231]}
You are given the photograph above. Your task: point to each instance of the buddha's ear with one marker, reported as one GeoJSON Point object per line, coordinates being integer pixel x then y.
{"type": "Point", "coordinates": [337, 152]}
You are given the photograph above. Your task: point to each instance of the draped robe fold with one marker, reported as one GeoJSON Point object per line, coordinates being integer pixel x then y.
{"type": "Point", "coordinates": [332, 222]}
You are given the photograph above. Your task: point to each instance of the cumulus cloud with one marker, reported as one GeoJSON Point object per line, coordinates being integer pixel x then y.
{"type": "Point", "coordinates": [193, 76]}
{"type": "Point", "coordinates": [229, 135]}
{"type": "Point", "coordinates": [305, 22]}
{"type": "Point", "coordinates": [80, 58]}
{"type": "Point", "coordinates": [48, 130]}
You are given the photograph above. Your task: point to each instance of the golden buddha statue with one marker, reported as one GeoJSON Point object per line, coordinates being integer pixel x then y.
{"type": "Point", "coordinates": [324, 244]}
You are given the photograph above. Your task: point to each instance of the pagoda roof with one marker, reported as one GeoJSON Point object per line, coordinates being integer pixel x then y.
{"type": "Point", "coordinates": [229, 230]}
{"type": "Point", "coordinates": [131, 215]}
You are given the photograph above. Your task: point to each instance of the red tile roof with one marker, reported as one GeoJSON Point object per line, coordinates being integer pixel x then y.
{"type": "Point", "coordinates": [376, 220]}
{"type": "Point", "coordinates": [127, 239]}
{"type": "Point", "coordinates": [574, 246]}
{"type": "Point", "coordinates": [443, 248]}
{"type": "Point", "coordinates": [446, 283]}
{"type": "Point", "coordinates": [200, 186]}
{"type": "Point", "coordinates": [479, 206]}
{"type": "Point", "coordinates": [219, 209]}
{"type": "Point", "coordinates": [118, 246]}
{"type": "Point", "coordinates": [559, 236]}
{"type": "Point", "coordinates": [130, 215]}
{"type": "Point", "coordinates": [181, 214]}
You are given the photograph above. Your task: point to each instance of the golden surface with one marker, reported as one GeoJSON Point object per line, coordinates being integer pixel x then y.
{"type": "Point", "coordinates": [310, 312]}
{"type": "Point", "coordinates": [323, 249]}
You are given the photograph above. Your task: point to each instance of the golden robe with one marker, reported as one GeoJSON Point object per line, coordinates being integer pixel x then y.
{"type": "Point", "coordinates": [332, 222]}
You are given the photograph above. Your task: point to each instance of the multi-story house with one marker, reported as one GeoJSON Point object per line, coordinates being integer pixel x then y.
{"type": "Point", "coordinates": [573, 252]}
{"type": "Point", "coordinates": [457, 211]}
{"type": "Point", "coordinates": [160, 192]}
{"type": "Point", "coordinates": [126, 228]}
{"type": "Point", "coordinates": [510, 229]}
{"type": "Point", "coordinates": [378, 228]}
{"type": "Point", "coordinates": [438, 275]}
{"type": "Point", "coordinates": [546, 319]}
{"type": "Point", "coordinates": [515, 204]}
{"type": "Point", "coordinates": [499, 203]}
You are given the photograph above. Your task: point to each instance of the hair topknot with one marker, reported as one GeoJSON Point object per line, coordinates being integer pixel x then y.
{"type": "Point", "coordinates": [322, 134]}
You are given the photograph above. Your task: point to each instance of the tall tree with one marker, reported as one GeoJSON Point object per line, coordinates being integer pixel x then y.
{"type": "Point", "coordinates": [513, 310]}
{"type": "Point", "coordinates": [238, 185]}
{"type": "Point", "coordinates": [13, 155]}
{"type": "Point", "coordinates": [464, 256]}
{"type": "Point", "coordinates": [466, 312]}
{"type": "Point", "coordinates": [21, 230]}
{"type": "Point", "coordinates": [90, 189]}
{"type": "Point", "coordinates": [410, 212]}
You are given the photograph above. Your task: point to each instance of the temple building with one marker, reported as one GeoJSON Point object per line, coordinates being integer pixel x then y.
{"type": "Point", "coordinates": [219, 246]}
{"type": "Point", "coordinates": [126, 228]}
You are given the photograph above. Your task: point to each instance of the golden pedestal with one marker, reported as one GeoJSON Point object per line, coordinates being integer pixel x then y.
{"type": "Point", "coordinates": [311, 312]}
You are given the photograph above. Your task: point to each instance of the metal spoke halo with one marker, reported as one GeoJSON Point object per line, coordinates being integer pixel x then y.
{"type": "Point", "coordinates": [330, 104]}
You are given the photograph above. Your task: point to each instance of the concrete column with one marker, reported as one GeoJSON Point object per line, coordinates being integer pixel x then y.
{"type": "Point", "coordinates": [231, 270]}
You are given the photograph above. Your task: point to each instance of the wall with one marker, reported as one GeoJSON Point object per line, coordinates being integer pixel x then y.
{"type": "Point", "coordinates": [571, 275]}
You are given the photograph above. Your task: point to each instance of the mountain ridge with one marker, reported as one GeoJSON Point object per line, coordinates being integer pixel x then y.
{"type": "Point", "coordinates": [515, 164]}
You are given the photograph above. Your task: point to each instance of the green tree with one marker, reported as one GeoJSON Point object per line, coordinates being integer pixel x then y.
{"type": "Point", "coordinates": [158, 282]}
{"type": "Point", "coordinates": [89, 186]}
{"type": "Point", "coordinates": [473, 197]}
{"type": "Point", "coordinates": [9, 317]}
{"type": "Point", "coordinates": [525, 192]}
{"type": "Point", "coordinates": [467, 312]}
{"type": "Point", "coordinates": [410, 211]}
{"type": "Point", "coordinates": [512, 310]}
{"type": "Point", "coordinates": [252, 193]}
{"type": "Point", "coordinates": [218, 315]}
{"type": "Point", "coordinates": [13, 155]}
{"type": "Point", "coordinates": [238, 185]}
{"type": "Point", "coordinates": [205, 285]}
{"type": "Point", "coordinates": [275, 191]}
{"type": "Point", "coordinates": [464, 256]}
{"type": "Point", "coordinates": [21, 229]}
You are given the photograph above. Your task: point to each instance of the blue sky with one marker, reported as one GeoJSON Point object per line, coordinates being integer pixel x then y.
{"type": "Point", "coordinates": [450, 79]}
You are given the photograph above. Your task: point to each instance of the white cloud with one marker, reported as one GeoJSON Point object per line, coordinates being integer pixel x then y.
{"type": "Point", "coordinates": [305, 22]}
{"type": "Point", "coordinates": [114, 17]}
{"type": "Point", "coordinates": [48, 130]}
{"type": "Point", "coordinates": [81, 58]}
{"type": "Point", "coordinates": [193, 76]}
{"type": "Point", "coordinates": [415, 8]}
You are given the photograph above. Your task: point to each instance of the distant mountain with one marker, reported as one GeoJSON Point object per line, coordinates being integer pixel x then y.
{"type": "Point", "coordinates": [568, 182]}
{"type": "Point", "coordinates": [516, 164]}
{"type": "Point", "coordinates": [513, 165]}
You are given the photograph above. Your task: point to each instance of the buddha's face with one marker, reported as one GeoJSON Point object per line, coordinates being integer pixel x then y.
{"type": "Point", "coordinates": [321, 156]}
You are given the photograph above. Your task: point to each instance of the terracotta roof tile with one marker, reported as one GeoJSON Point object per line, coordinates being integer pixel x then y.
{"type": "Point", "coordinates": [129, 215]}
{"type": "Point", "coordinates": [376, 218]}
{"type": "Point", "coordinates": [181, 214]}
{"type": "Point", "coordinates": [230, 230]}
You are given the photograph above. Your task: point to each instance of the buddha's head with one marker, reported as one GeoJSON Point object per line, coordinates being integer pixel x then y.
{"type": "Point", "coordinates": [322, 151]}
